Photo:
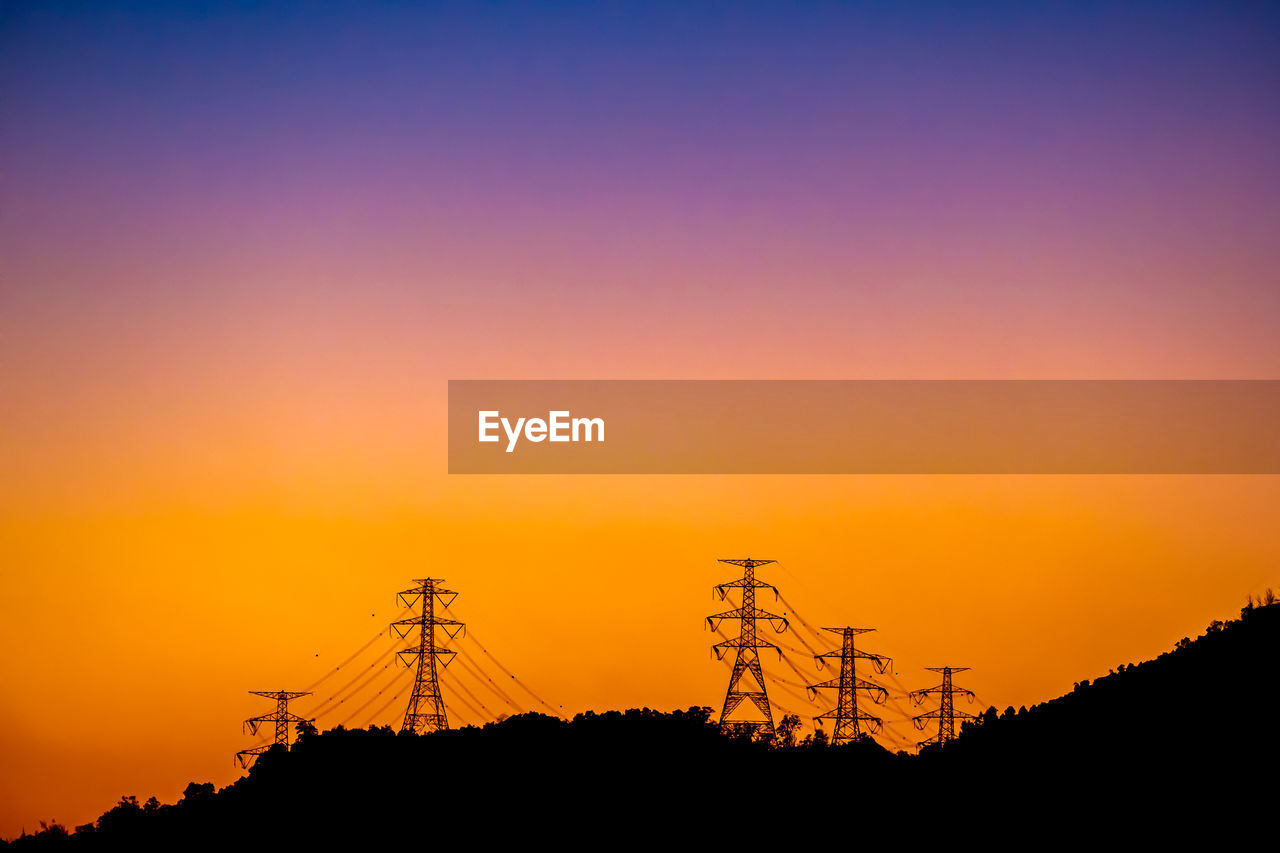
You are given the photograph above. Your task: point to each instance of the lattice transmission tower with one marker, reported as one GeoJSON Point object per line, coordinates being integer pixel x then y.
{"type": "Point", "coordinates": [426, 706]}
{"type": "Point", "coordinates": [849, 718]}
{"type": "Point", "coordinates": [946, 713]}
{"type": "Point", "coordinates": [746, 659]}
{"type": "Point", "coordinates": [281, 718]}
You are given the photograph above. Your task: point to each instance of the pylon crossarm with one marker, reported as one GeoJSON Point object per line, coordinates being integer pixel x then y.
{"type": "Point", "coordinates": [738, 643]}
{"type": "Point", "coordinates": [742, 583]}
{"type": "Point", "coordinates": [855, 653]}
{"type": "Point", "coordinates": [254, 751]}
{"type": "Point", "coordinates": [869, 686]}
{"type": "Point", "coordinates": [744, 643]}
{"type": "Point", "coordinates": [752, 613]}
{"type": "Point", "coordinates": [925, 693]}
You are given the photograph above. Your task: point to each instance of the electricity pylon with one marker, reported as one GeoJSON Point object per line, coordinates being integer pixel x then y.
{"type": "Point", "coordinates": [946, 713]}
{"type": "Point", "coordinates": [746, 658]}
{"type": "Point", "coordinates": [848, 717]}
{"type": "Point", "coordinates": [282, 718]}
{"type": "Point", "coordinates": [426, 706]}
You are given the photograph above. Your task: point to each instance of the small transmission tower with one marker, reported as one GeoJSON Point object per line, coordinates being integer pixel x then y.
{"type": "Point", "coordinates": [848, 717]}
{"type": "Point", "coordinates": [746, 658]}
{"type": "Point", "coordinates": [426, 706]}
{"type": "Point", "coordinates": [946, 713]}
{"type": "Point", "coordinates": [282, 718]}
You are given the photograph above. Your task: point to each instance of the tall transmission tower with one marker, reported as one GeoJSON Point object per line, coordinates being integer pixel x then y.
{"type": "Point", "coordinates": [281, 718]}
{"type": "Point", "coordinates": [746, 657]}
{"type": "Point", "coordinates": [848, 717]}
{"type": "Point", "coordinates": [426, 706]}
{"type": "Point", "coordinates": [946, 713]}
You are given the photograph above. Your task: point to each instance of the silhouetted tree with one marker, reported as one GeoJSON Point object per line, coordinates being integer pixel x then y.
{"type": "Point", "coordinates": [788, 726]}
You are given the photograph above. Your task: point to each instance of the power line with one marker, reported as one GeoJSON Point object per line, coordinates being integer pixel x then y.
{"type": "Point", "coordinates": [379, 711]}
{"type": "Point", "coordinates": [472, 668]}
{"type": "Point", "coordinates": [331, 704]}
{"type": "Point", "coordinates": [396, 676]}
{"type": "Point", "coordinates": [313, 685]}
{"type": "Point", "coordinates": [451, 682]}
{"type": "Point", "coordinates": [525, 687]}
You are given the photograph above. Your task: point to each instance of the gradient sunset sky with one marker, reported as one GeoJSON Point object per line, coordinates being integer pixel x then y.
{"type": "Point", "coordinates": [243, 247]}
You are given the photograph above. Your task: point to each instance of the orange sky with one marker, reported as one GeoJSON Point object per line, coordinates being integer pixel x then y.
{"type": "Point", "coordinates": [135, 631]}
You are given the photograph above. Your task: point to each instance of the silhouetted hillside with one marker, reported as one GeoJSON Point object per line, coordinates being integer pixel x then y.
{"type": "Point", "coordinates": [1206, 703]}
{"type": "Point", "coordinates": [1187, 732]}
